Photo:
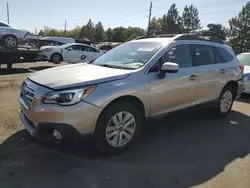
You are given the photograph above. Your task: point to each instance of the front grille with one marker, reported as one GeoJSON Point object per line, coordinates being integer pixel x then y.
{"type": "Point", "coordinates": [28, 94]}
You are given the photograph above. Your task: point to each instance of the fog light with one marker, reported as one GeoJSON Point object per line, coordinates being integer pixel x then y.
{"type": "Point", "coordinates": [57, 134]}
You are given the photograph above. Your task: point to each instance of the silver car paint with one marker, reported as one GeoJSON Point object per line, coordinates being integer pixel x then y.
{"type": "Point", "coordinates": [158, 96]}
{"type": "Point", "coordinates": [20, 34]}
{"type": "Point", "coordinates": [70, 76]}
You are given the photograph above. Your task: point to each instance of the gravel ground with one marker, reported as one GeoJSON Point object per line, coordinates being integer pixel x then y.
{"type": "Point", "coordinates": [185, 149]}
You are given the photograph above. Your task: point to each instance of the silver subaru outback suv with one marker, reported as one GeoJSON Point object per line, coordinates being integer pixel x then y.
{"type": "Point", "coordinates": [143, 78]}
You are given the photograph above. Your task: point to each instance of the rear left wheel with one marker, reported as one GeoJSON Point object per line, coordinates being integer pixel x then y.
{"type": "Point", "coordinates": [225, 102]}
{"type": "Point", "coordinates": [118, 127]}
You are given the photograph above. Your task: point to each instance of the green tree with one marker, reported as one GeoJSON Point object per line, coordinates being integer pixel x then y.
{"type": "Point", "coordinates": [155, 26]}
{"type": "Point", "coordinates": [172, 22]}
{"type": "Point", "coordinates": [190, 19]}
{"type": "Point", "coordinates": [99, 33]}
{"type": "Point", "coordinates": [109, 34]}
{"type": "Point", "coordinates": [119, 34]}
{"type": "Point", "coordinates": [239, 35]}
{"type": "Point", "coordinates": [216, 30]}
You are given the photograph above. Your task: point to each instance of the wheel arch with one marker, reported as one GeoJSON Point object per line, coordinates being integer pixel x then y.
{"type": "Point", "coordinates": [234, 85]}
{"type": "Point", "coordinates": [128, 98]}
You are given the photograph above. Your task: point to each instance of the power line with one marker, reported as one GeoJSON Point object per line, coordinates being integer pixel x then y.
{"type": "Point", "coordinates": [212, 4]}
{"type": "Point", "coordinates": [210, 13]}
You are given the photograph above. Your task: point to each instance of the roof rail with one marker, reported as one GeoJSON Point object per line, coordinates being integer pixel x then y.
{"type": "Point", "coordinates": [185, 37]}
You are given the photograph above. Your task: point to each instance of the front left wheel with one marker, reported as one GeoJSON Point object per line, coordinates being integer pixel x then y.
{"type": "Point", "coordinates": [118, 127]}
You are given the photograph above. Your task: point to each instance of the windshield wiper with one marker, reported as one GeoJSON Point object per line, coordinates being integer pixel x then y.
{"type": "Point", "coordinates": [114, 67]}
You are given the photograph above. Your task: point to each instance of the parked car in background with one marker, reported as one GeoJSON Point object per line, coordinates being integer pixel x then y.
{"type": "Point", "coordinates": [72, 53]}
{"type": "Point", "coordinates": [137, 80]}
{"type": "Point", "coordinates": [10, 36]}
{"type": "Point", "coordinates": [105, 47]}
{"type": "Point", "coordinates": [244, 59]}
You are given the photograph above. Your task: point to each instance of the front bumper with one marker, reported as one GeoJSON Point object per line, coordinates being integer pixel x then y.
{"type": "Point", "coordinates": [70, 121]}
{"type": "Point", "coordinates": [44, 56]}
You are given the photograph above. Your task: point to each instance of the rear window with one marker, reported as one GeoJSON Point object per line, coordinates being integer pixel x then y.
{"type": "Point", "coordinates": [225, 55]}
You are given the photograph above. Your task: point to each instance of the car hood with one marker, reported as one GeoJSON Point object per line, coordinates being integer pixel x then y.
{"type": "Point", "coordinates": [69, 76]}
{"type": "Point", "coordinates": [52, 47]}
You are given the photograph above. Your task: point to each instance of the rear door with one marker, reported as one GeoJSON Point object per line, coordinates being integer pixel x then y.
{"type": "Point", "coordinates": [89, 53]}
{"type": "Point", "coordinates": [175, 90]}
{"type": "Point", "coordinates": [210, 72]}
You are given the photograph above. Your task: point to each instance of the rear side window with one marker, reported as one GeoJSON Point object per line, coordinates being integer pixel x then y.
{"type": "Point", "coordinates": [204, 55]}
{"type": "Point", "coordinates": [225, 55]}
{"type": "Point", "coordinates": [218, 58]}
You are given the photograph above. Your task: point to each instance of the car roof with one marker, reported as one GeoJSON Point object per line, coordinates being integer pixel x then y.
{"type": "Point", "coordinates": [70, 44]}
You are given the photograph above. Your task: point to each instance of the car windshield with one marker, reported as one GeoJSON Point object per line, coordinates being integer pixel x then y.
{"type": "Point", "coordinates": [244, 59]}
{"type": "Point", "coordinates": [131, 55]}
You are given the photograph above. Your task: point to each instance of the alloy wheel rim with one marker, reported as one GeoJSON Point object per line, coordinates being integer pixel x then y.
{"type": "Point", "coordinates": [120, 129]}
{"type": "Point", "coordinates": [56, 58]}
{"type": "Point", "coordinates": [226, 101]}
{"type": "Point", "coordinates": [10, 42]}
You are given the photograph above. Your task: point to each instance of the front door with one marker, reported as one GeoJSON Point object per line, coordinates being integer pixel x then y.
{"type": "Point", "coordinates": [72, 54]}
{"type": "Point", "coordinates": [175, 90]}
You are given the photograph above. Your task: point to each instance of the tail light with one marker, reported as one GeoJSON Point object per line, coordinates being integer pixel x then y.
{"type": "Point", "coordinates": [242, 68]}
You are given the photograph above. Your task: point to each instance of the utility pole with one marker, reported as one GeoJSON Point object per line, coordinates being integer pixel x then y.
{"type": "Point", "coordinates": [8, 14]}
{"type": "Point", "coordinates": [149, 16]}
{"type": "Point", "coordinates": [65, 26]}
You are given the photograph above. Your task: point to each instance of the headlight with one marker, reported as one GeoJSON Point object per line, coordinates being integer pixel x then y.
{"type": "Point", "coordinates": [67, 97]}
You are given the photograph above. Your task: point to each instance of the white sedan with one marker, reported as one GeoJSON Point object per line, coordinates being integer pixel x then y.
{"type": "Point", "coordinates": [71, 53]}
{"type": "Point", "coordinates": [244, 59]}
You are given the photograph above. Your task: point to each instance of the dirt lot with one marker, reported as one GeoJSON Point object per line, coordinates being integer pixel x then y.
{"type": "Point", "coordinates": [185, 149]}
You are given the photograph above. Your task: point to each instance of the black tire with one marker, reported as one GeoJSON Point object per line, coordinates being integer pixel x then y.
{"type": "Point", "coordinates": [217, 110]}
{"type": "Point", "coordinates": [9, 66]}
{"type": "Point", "coordinates": [100, 131]}
{"type": "Point", "coordinates": [10, 42]}
{"type": "Point", "coordinates": [56, 58]}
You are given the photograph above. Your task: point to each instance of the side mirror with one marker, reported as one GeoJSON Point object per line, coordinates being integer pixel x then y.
{"type": "Point", "coordinates": [69, 49]}
{"type": "Point", "coordinates": [168, 67]}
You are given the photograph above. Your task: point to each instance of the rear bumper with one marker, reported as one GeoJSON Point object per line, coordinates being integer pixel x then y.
{"type": "Point", "coordinates": [240, 88]}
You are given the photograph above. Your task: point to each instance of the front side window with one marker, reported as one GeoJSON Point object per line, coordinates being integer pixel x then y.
{"type": "Point", "coordinates": [204, 55]}
{"type": "Point", "coordinates": [131, 55]}
{"type": "Point", "coordinates": [180, 54]}
{"type": "Point", "coordinates": [244, 59]}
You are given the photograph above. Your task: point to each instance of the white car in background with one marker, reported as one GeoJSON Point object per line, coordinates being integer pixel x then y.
{"type": "Point", "coordinates": [71, 53]}
{"type": "Point", "coordinates": [10, 36]}
{"type": "Point", "coordinates": [244, 59]}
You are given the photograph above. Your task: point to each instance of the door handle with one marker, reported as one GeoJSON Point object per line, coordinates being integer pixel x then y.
{"type": "Point", "coordinates": [222, 71]}
{"type": "Point", "coordinates": [192, 77]}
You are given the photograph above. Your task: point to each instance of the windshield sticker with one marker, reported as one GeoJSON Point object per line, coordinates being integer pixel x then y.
{"type": "Point", "coordinates": [145, 49]}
